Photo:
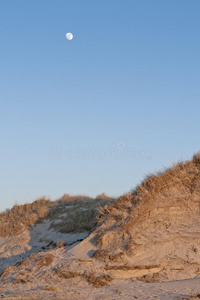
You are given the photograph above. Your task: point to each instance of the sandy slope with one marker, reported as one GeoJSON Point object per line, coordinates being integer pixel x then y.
{"type": "Point", "coordinates": [16, 248]}
{"type": "Point", "coordinates": [42, 282]}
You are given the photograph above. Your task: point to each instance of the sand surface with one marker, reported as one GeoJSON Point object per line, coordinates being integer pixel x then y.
{"type": "Point", "coordinates": [43, 283]}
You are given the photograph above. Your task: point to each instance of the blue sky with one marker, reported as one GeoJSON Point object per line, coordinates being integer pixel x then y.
{"type": "Point", "coordinates": [97, 113]}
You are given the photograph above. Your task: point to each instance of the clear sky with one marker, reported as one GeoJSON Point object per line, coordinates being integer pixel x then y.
{"type": "Point", "coordinates": [97, 113]}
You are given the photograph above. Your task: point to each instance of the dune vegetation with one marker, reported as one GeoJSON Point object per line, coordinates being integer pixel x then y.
{"type": "Point", "coordinates": [79, 214]}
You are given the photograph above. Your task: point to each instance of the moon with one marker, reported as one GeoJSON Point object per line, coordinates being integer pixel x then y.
{"type": "Point", "coordinates": [69, 36]}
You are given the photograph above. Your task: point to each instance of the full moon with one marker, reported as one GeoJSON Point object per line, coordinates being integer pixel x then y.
{"type": "Point", "coordinates": [69, 36]}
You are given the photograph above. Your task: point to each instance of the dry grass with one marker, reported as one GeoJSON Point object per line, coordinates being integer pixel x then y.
{"type": "Point", "coordinates": [61, 244]}
{"type": "Point", "coordinates": [50, 289]}
{"type": "Point", "coordinates": [6, 272]}
{"type": "Point", "coordinates": [155, 277]}
{"type": "Point", "coordinates": [99, 281]}
{"type": "Point", "coordinates": [66, 274]}
{"type": "Point", "coordinates": [19, 280]}
{"type": "Point", "coordinates": [20, 217]}
{"type": "Point", "coordinates": [180, 183]}
{"type": "Point", "coordinates": [147, 267]}
{"type": "Point", "coordinates": [178, 186]}
{"type": "Point", "coordinates": [45, 260]}
{"type": "Point", "coordinates": [92, 278]}
{"type": "Point", "coordinates": [81, 214]}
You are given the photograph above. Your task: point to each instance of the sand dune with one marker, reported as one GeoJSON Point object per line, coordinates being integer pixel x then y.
{"type": "Point", "coordinates": [144, 245]}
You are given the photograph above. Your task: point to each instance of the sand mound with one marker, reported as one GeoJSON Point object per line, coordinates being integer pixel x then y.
{"type": "Point", "coordinates": [156, 228]}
